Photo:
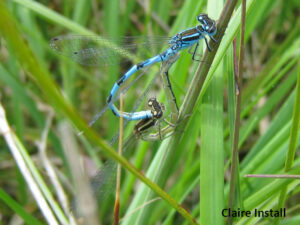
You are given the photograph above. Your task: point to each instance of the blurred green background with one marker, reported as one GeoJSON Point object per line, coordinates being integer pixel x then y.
{"type": "Point", "coordinates": [269, 123]}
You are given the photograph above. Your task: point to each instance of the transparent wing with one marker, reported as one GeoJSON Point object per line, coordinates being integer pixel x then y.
{"type": "Point", "coordinates": [104, 182]}
{"type": "Point", "coordinates": [99, 51]}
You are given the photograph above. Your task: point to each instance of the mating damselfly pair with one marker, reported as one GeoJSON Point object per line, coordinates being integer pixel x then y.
{"type": "Point", "coordinates": [99, 51]}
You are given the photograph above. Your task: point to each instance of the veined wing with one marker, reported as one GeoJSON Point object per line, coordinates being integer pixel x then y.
{"type": "Point", "coordinates": [100, 51]}
{"type": "Point", "coordinates": [104, 182]}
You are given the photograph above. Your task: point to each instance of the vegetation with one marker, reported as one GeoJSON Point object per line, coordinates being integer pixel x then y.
{"type": "Point", "coordinates": [48, 100]}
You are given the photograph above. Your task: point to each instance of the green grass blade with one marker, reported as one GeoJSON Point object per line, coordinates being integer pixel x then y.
{"type": "Point", "coordinates": [293, 140]}
{"type": "Point", "coordinates": [28, 219]}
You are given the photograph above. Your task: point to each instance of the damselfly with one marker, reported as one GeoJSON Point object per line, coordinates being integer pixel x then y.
{"type": "Point", "coordinates": [105, 51]}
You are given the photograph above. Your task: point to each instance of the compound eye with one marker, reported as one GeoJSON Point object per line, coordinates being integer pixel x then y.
{"type": "Point", "coordinates": [202, 18]}
{"type": "Point", "coordinates": [150, 102]}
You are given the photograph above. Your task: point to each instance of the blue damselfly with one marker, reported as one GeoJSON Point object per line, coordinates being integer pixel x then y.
{"type": "Point", "coordinates": [104, 52]}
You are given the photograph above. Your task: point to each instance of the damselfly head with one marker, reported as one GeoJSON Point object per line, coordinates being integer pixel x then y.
{"type": "Point", "coordinates": [156, 108]}
{"type": "Point", "coordinates": [208, 25]}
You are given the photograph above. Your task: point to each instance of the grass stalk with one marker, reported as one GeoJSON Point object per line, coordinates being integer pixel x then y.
{"type": "Point", "coordinates": [234, 157]}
